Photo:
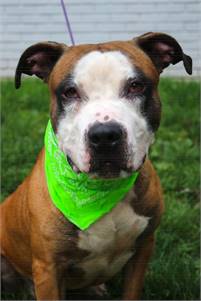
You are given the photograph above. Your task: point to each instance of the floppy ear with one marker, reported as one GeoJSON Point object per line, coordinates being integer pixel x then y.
{"type": "Point", "coordinates": [39, 59]}
{"type": "Point", "coordinates": [163, 50]}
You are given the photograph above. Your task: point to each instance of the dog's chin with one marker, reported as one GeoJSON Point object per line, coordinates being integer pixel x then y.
{"type": "Point", "coordinates": [109, 170]}
{"type": "Point", "coordinates": [105, 174]}
{"type": "Point", "coordinates": [109, 175]}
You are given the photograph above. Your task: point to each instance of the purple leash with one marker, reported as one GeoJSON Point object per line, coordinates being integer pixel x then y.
{"type": "Point", "coordinates": [68, 23]}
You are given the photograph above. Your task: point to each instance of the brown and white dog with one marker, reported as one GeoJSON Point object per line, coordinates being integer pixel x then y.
{"type": "Point", "coordinates": [101, 95]}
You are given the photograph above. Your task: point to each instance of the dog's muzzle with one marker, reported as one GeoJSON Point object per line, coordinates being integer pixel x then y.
{"type": "Point", "coordinates": [107, 146]}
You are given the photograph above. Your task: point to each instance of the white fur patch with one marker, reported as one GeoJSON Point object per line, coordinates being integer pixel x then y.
{"type": "Point", "coordinates": [110, 242]}
{"type": "Point", "coordinates": [100, 77]}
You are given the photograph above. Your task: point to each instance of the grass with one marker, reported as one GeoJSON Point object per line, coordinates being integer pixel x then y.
{"type": "Point", "coordinates": [174, 272]}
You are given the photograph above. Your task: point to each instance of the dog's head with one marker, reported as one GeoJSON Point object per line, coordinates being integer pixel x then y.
{"type": "Point", "coordinates": [105, 106]}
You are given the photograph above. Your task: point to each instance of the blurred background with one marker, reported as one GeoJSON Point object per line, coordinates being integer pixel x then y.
{"type": "Point", "coordinates": [25, 22]}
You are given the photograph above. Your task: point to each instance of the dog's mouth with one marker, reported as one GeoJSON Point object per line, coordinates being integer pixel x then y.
{"type": "Point", "coordinates": [102, 168]}
{"type": "Point", "coordinates": [110, 167]}
{"type": "Point", "coordinates": [107, 168]}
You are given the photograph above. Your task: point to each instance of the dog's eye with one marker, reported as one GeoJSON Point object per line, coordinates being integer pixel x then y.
{"type": "Point", "coordinates": [71, 93]}
{"type": "Point", "coordinates": [136, 87]}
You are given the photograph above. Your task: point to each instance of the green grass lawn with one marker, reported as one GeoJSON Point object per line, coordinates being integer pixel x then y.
{"type": "Point", "coordinates": [174, 270]}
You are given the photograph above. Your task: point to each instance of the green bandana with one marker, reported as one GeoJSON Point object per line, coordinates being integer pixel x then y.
{"type": "Point", "coordinates": [82, 200]}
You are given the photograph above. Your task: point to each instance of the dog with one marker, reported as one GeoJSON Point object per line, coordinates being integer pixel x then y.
{"type": "Point", "coordinates": [104, 111]}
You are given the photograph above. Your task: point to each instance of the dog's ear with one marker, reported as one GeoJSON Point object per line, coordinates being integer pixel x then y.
{"type": "Point", "coordinates": [39, 60]}
{"type": "Point", "coordinates": [163, 50]}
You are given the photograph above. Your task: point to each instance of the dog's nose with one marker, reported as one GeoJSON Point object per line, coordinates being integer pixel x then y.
{"type": "Point", "coordinates": [105, 136]}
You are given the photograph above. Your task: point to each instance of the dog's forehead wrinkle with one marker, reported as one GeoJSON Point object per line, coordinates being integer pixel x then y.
{"type": "Point", "coordinates": [96, 57]}
{"type": "Point", "coordinates": [103, 71]}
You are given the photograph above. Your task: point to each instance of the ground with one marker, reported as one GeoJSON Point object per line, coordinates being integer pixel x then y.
{"type": "Point", "coordinates": [174, 269]}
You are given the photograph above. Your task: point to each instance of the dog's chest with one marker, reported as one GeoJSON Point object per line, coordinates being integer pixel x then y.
{"type": "Point", "coordinates": [110, 242]}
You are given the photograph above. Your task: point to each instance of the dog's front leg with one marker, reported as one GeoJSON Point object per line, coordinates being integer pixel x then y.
{"type": "Point", "coordinates": [136, 268]}
{"type": "Point", "coordinates": [45, 280]}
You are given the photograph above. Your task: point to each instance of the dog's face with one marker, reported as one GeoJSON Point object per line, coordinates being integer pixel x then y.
{"type": "Point", "coordinates": [105, 107]}
{"type": "Point", "coordinates": [104, 119]}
